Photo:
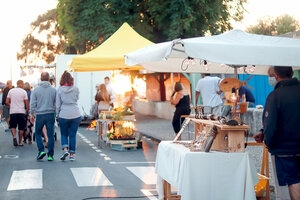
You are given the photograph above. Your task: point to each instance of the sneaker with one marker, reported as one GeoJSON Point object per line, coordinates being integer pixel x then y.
{"type": "Point", "coordinates": [50, 158]}
{"type": "Point", "coordinates": [41, 155]}
{"type": "Point", "coordinates": [15, 142]}
{"type": "Point", "coordinates": [64, 155]}
{"type": "Point", "coordinates": [72, 158]}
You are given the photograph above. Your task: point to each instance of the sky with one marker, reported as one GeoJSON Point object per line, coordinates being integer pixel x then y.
{"type": "Point", "coordinates": [16, 16]}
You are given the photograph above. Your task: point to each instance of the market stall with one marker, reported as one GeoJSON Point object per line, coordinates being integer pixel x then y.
{"type": "Point", "coordinates": [242, 53]}
{"type": "Point", "coordinates": [114, 127]}
{"type": "Point", "coordinates": [110, 54]}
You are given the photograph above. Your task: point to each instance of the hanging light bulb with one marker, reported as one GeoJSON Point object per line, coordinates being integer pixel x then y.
{"type": "Point", "coordinates": [193, 62]}
{"type": "Point", "coordinates": [252, 69]}
{"type": "Point", "coordinates": [233, 95]}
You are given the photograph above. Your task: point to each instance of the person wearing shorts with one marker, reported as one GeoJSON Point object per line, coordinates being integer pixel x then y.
{"type": "Point", "coordinates": [16, 100]}
{"type": "Point", "coordinates": [281, 128]}
{"type": "Point", "coordinates": [5, 113]}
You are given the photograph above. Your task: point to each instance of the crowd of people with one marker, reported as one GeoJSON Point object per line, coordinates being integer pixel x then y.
{"type": "Point", "coordinates": [22, 108]}
{"type": "Point", "coordinates": [213, 99]}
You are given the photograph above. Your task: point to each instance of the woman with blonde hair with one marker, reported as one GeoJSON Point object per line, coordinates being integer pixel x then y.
{"type": "Point", "coordinates": [68, 113]}
{"type": "Point", "coordinates": [29, 125]}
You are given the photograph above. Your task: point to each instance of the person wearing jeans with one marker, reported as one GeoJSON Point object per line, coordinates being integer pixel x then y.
{"type": "Point", "coordinates": [42, 104]}
{"type": "Point", "coordinates": [47, 120]}
{"type": "Point", "coordinates": [69, 116]}
{"type": "Point", "coordinates": [68, 128]}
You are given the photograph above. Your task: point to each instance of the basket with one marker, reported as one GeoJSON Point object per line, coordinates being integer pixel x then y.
{"type": "Point", "coordinates": [260, 187]}
{"type": "Point", "coordinates": [243, 107]}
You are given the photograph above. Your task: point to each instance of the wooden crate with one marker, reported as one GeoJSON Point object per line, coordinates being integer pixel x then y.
{"type": "Point", "coordinates": [228, 139]}
{"type": "Point", "coordinates": [123, 145]}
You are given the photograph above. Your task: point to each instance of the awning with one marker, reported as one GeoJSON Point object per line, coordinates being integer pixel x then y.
{"type": "Point", "coordinates": [110, 54]}
{"type": "Point", "coordinates": [231, 48]}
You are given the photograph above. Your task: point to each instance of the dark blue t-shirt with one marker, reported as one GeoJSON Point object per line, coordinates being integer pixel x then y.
{"type": "Point", "coordinates": [248, 93]}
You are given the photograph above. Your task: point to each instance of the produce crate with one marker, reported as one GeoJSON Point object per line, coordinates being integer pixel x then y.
{"type": "Point", "coordinates": [123, 145]}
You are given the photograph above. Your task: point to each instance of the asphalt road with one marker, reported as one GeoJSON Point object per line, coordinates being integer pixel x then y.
{"type": "Point", "coordinates": [96, 172]}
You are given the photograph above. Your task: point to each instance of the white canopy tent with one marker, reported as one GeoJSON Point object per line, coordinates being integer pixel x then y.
{"type": "Point", "coordinates": [235, 48]}
{"type": "Point", "coordinates": [231, 48]}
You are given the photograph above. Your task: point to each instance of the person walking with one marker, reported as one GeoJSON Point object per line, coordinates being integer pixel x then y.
{"type": "Point", "coordinates": [42, 110]}
{"type": "Point", "coordinates": [17, 100]}
{"type": "Point", "coordinates": [6, 89]}
{"type": "Point", "coordinates": [69, 116]}
{"type": "Point", "coordinates": [29, 125]}
{"type": "Point", "coordinates": [181, 99]}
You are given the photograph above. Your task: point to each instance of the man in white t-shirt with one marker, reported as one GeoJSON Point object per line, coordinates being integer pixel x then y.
{"type": "Point", "coordinates": [210, 92]}
{"type": "Point", "coordinates": [109, 89]}
{"type": "Point", "coordinates": [16, 100]}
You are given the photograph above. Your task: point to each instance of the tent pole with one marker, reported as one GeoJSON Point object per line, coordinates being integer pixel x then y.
{"type": "Point", "coordinates": [172, 82]}
{"type": "Point", "coordinates": [92, 88]}
{"type": "Point", "coordinates": [235, 72]}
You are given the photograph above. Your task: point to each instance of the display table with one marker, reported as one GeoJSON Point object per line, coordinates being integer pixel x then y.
{"type": "Point", "coordinates": [200, 175]}
{"type": "Point", "coordinates": [103, 129]}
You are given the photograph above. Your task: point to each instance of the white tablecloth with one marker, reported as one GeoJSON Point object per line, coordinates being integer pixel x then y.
{"type": "Point", "coordinates": [207, 176]}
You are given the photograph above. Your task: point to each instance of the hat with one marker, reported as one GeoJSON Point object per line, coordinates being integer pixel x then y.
{"type": "Point", "coordinates": [178, 86]}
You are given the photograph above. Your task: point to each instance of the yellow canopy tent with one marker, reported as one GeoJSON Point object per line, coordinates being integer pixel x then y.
{"type": "Point", "coordinates": [110, 54]}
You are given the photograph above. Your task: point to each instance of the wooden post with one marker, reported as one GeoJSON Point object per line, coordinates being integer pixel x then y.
{"type": "Point", "coordinates": [236, 141]}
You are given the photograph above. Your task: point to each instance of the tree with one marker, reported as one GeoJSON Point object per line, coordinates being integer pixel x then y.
{"type": "Point", "coordinates": [44, 41]}
{"type": "Point", "coordinates": [280, 25]}
{"type": "Point", "coordinates": [265, 26]}
{"type": "Point", "coordinates": [86, 23]}
{"type": "Point", "coordinates": [285, 24]}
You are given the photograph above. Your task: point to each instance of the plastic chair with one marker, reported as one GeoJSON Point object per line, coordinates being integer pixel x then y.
{"type": "Point", "coordinates": [262, 188]}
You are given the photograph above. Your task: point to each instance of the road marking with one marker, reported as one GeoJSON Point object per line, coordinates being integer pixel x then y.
{"type": "Point", "coordinates": [149, 194]}
{"type": "Point", "coordinates": [102, 154]}
{"type": "Point", "coordinates": [107, 158]}
{"type": "Point", "coordinates": [146, 174]}
{"type": "Point", "coordinates": [26, 179]}
{"type": "Point", "coordinates": [90, 176]}
{"type": "Point", "coordinates": [11, 156]}
{"type": "Point", "coordinates": [91, 145]}
{"type": "Point", "coordinates": [0, 157]}
{"type": "Point", "coordinates": [121, 163]}
{"type": "Point", "coordinates": [98, 150]}
{"type": "Point", "coordinates": [87, 141]}
{"type": "Point", "coordinates": [94, 148]}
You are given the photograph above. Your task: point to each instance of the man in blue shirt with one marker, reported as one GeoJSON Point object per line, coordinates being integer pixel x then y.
{"type": "Point", "coordinates": [244, 92]}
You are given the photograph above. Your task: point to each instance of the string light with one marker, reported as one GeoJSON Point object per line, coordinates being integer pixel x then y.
{"type": "Point", "coordinates": [250, 69]}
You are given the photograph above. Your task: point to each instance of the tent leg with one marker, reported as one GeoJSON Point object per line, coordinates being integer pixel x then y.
{"type": "Point", "coordinates": [172, 82]}
{"type": "Point", "coordinates": [193, 78]}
